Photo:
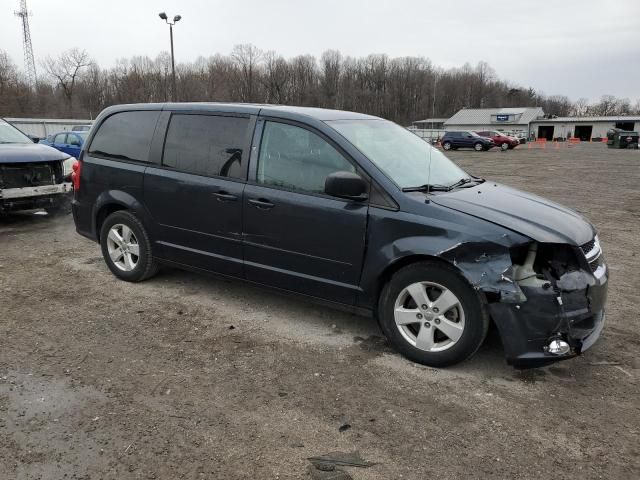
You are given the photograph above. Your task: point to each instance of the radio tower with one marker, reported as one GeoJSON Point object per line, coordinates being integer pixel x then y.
{"type": "Point", "coordinates": [29, 62]}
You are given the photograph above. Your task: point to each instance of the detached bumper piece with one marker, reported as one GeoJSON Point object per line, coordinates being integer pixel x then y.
{"type": "Point", "coordinates": [27, 198]}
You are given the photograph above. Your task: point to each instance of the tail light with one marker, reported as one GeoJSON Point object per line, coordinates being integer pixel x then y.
{"type": "Point", "coordinates": [75, 174]}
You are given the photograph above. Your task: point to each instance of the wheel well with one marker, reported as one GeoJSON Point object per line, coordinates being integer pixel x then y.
{"type": "Point", "coordinates": [103, 213]}
{"type": "Point", "coordinates": [403, 262]}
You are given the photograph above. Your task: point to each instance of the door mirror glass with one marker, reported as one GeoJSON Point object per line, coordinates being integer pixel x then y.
{"type": "Point", "coordinates": [346, 185]}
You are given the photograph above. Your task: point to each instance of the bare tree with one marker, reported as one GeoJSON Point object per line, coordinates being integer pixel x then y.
{"type": "Point", "coordinates": [247, 57]}
{"type": "Point", "coordinates": [580, 108]}
{"type": "Point", "coordinates": [608, 105]}
{"type": "Point", "coordinates": [401, 89]}
{"type": "Point", "coordinates": [65, 70]}
{"type": "Point", "coordinates": [276, 78]}
{"type": "Point", "coordinates": [331, 71]}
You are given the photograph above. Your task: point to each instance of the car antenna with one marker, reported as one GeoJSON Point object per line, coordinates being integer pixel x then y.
{"type": "Point", "coordinates": [430, 148]}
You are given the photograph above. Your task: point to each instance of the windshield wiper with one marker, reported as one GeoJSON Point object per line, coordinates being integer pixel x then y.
{"type": "Point", "coordinates": [465, 181]}
{"type": "Point", "coordinates": [427, 188]}
{"type": "Point", "coordinates": [459, 183]}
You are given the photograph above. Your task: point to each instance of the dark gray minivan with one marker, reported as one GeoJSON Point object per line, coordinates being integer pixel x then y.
{"type": "Point", "coordinates": [347, 209]}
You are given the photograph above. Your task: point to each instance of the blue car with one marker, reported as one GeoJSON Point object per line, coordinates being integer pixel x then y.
{"type": "Point", "coordinates": [67, 142]}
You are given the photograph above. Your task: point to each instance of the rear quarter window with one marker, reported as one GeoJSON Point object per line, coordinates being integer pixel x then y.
{"type": "Point", "coordinates": [125, 136]}
{"type": "Point", "coordinates": [208, 145]}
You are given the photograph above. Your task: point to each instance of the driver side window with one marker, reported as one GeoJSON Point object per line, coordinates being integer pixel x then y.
{"type": "Point", "coordinates": [297, 159]}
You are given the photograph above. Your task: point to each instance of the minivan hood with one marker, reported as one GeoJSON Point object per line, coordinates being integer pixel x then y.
{"type": "Point", "coordinates": [29, 152]}
{"type": "Point", "coordinates": [536, 217]}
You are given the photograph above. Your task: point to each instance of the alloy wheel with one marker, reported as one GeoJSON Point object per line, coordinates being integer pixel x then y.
{"type": "Point", "coordinates": [123, 247]}
{"type": "Point", "coordinates": [429, 316]}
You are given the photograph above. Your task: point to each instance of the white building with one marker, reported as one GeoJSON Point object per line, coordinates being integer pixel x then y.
{"type": "Point", "coordinates": [512, 121]}
{"type": "Point", "coordinates": [584, 128]}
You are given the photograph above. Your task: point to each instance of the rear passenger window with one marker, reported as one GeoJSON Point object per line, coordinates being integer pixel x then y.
{"type": "Point", "coordinates": [126, 136]}
{"type": "Point", "coordinates": [206, 145]}
{"type": "Point", "coordinates": [297, 159]}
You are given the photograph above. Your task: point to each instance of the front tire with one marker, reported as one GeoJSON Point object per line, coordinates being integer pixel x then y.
{"type": "Point", "coordinates": [126, 247]}
{"type": "Point", "coordinates": [504, 147]}
{"type": "Point", "coordinates": [431, 315]}
{"type": "Point", "coordinates": [478, 147]}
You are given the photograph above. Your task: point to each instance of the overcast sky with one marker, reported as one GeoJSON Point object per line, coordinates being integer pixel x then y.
{"type": "Point", "coordinates": [578, 48]}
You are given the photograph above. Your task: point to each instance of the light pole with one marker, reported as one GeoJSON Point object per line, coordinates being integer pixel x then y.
{"type": "Point", "coordinates": [176, 19]}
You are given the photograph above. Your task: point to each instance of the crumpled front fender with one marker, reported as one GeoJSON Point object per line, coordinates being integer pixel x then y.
{"type": "Point", "coordinates": [488, 267]}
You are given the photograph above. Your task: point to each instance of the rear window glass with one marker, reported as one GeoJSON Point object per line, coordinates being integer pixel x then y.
{"type": "Point", "coordinates": [206, 145]}
{"type": "Point", "coordinates": [126, 136]}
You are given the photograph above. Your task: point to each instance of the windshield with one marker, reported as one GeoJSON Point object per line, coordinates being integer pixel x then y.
{"type": "Point", "coordinates": [10, 134]}
{"type": "Point", "coordinates": [82, 135]}
{"type": "Point", "coordinates": [401, 155]}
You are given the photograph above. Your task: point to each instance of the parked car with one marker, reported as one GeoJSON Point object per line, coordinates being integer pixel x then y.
{"type": "Point", "coordinates": [500, 139]}
{"type": "Point", "coordinates": [81, 128]}
{"type": "Point", "coordinates": [32, 175]}
{"type": "Point", "coordinates": [466, 139]}
{"type": "Point", "coordinates": [67, 142]}
{"type": "Point", "coordinates": [346, 209]}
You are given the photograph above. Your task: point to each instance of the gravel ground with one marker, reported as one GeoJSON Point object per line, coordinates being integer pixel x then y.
{"type": "Point", "coordinates": [186, 376]}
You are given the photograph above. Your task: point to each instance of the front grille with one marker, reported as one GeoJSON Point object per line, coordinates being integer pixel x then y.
{"type": "Point", "coordinates": [26, 175]}
{"type": "Point", "coordinates": [587, 247]}
{"type": "Point", "coordinates": [593, 254]}
{"type": "Point", "coordinates": [596, 263]}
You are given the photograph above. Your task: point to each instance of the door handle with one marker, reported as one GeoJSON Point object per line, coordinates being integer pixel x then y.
{"type": "Point", "coordinates": [224, 196]}
{"type": "Point", "coordinates": [261, 203]}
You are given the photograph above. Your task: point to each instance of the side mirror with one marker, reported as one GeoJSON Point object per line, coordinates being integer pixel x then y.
{"type": "Point", "coordinates": [347, 185]}
{"type": "Point", "coordinates": [33, 138]}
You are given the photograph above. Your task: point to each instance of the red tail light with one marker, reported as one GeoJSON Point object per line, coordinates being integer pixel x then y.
{"type": "Point", "coordinates": [75, 174]}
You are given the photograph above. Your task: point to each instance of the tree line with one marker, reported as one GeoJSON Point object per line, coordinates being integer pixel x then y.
{"type": "Point", "coordinates": [402, 89]}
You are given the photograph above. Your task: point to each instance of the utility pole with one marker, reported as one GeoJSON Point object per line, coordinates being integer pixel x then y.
{"type": "Point", "coordinates": [433, 99]}
{"type": "Point", "coordinates": [176, 19]}
{"type": "Point", "coordinates": [29, 61]}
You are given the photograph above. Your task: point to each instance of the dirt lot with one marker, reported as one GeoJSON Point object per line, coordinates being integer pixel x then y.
{"type": "Point", "coordinates": [192, 377]}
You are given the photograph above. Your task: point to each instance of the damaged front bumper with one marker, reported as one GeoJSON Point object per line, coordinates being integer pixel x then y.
{"type": "Point", "coordinates": [25, 198]}
{"type": "Point", "coordinates": [554, 295]}
{"type": "Point", "coordinates": [529, 327]}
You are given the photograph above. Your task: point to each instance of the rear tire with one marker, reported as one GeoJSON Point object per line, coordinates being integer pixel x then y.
{"type": "Point", "coordinates": [434, 330]}
{"type": "Point", "coordinates": [126, 247]}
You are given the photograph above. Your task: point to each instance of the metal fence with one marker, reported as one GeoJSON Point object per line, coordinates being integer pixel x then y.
{"type": "Point", "coordinates": [43, 127]}
{"type": "Point", "coordinates": [428, 134]}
